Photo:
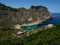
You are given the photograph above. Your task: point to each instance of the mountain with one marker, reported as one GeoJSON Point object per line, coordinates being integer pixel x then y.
{"type": "Point", "coordinates": [11, 16]}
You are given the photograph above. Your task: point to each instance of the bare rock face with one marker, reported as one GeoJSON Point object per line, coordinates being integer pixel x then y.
{"type": "Point", "coordinates": [49, 26]}
{"type": "Point", "coordinates": [11, 16]}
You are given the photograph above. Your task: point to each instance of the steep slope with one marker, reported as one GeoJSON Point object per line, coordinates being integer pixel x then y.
{"type": "Point", "coordinates": [11, 16]}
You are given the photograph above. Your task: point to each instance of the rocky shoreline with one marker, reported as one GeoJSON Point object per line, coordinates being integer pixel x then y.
{"type": "Point", "coordinates": [37, 22]}
{"type": "Point", "coordinates": [17, 26]}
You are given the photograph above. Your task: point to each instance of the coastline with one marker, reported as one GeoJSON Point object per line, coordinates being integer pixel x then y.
{"type": "Point", "coordinates": [17, 26]}
{"type": "Point", "coordinates": [37, 22]}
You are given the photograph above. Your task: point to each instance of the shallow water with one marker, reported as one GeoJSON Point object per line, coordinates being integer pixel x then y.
{"type": "Point", "coordinates": [55, 21]}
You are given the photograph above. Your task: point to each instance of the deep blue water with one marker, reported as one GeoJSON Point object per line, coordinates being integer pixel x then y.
{"type": "Point", "coordinates": [55, 21]}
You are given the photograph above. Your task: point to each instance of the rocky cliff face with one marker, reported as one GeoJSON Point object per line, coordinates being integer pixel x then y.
{"type": "Point", "coordinates": [11, 16]}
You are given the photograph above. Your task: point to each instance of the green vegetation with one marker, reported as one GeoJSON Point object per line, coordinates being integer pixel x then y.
{"type": "Point", "coordinates": [4, 7]}
{"type": "Point", "coordinates": [41, 37]}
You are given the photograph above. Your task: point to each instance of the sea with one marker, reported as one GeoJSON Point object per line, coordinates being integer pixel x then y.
{"type": "Point", "coordinates": [55, 20]}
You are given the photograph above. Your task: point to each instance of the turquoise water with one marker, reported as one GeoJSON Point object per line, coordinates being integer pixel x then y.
{"type": "Point", "coordinates": [55, 21]}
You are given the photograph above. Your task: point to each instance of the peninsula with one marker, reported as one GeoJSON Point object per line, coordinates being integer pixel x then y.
{"type": "Point", "coordinates": [23, 17]}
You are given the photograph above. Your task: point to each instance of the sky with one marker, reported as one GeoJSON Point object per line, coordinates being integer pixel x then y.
{"type": "Point", "coordinates": [52, 5]}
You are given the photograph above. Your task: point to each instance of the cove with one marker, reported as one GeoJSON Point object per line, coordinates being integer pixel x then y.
{"type": "Point", "coordinates": [55, 21]}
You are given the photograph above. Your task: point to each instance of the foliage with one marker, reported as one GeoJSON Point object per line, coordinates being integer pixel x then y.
{"type": "Point", "coordinates": [44, 37]}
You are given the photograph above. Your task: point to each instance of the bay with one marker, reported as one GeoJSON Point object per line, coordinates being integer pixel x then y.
{"type": "Point", "coordinates": [55, 21]}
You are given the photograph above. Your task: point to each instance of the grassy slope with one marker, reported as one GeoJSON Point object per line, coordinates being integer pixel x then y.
{"type": "Point", "coordinates": [45, 37]}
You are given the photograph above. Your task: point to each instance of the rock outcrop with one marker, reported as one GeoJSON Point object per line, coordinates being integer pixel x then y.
{"type": "Point", "coordinates": [50, 26]}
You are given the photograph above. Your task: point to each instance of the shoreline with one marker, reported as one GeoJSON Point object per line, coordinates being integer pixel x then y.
{"type": "Point", "coordinates": [36, 22]}
{"type": "Point", "coordinates": [17, 26]}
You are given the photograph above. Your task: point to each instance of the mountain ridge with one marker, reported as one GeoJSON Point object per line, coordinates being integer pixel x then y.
{"type": "Point", "coordinates": [12, 16]}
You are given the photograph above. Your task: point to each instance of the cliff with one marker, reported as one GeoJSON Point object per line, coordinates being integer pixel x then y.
{"type": "Point", "coordinates": [11, 16]}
